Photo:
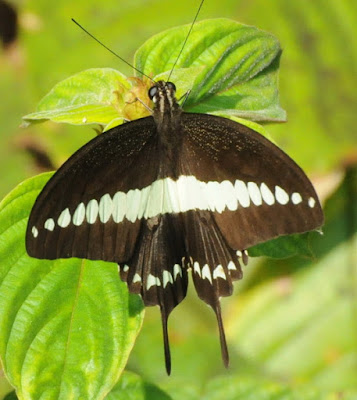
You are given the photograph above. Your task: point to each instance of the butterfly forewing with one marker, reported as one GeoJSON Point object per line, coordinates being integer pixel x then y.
{"type": "Point", "coordinates": [77, 213]}
{"type": "Point", "coordinates": [253, 189]}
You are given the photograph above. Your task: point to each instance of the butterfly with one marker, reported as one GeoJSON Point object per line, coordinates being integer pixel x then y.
{"type": "Point", "coordinates": [172, 193]}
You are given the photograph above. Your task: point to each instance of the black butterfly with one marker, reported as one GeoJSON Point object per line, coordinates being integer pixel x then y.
{"type": "Point", "coordinates": [168, 193]}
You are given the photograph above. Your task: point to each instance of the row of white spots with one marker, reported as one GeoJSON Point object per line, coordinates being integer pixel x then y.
{"type": "Point", "coordinates": [218, 272]}
{"type": "Point", "coordinates": [167, 277]}
{"type": "Point", "coordinates": [169, 196]}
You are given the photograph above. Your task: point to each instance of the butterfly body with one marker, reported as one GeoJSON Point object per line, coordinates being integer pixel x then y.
{"type": "Point", "coordinates": [170, 193]}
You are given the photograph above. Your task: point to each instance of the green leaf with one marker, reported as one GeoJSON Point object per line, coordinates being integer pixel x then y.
{"type": "Point", "coordinates": [66, 326]}
{"type": "Point", "coordinates": [240, 67]}
{"type": "Point", "coordinates": [89, 97]}
{"type": "Point", "coordinates": [11, 396]}
{"type": "Point", "coordinates": [132, 387]}
{"type": "Point", "coordinates": [242, 84]}
{"type": "Point", "coordinates": [284, 246]}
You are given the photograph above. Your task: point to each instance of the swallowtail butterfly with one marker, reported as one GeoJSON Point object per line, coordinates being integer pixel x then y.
{"type": "Point", "coordinates": [170, 193]}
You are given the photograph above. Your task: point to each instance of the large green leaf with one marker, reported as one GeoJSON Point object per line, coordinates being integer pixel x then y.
{"type": "Point", "coordinates": [89, 97]}
{"type": "Point", "coordinates": [102, 96]}
{"type": "Point", "coordinates": [66, 326]}
{"type": "Point", "coordinates": [240, 67]}
{"type": "Point", "coordinates": [242, 83]}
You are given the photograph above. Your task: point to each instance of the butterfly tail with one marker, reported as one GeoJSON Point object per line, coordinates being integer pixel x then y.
{"type": "Point", "coordinates": [164, 318]}
{"type": "Point", "coordinates": [222, 336]}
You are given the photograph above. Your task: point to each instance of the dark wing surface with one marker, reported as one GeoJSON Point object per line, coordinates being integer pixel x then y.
{"type": "Point", "coordinates": [91, 206]}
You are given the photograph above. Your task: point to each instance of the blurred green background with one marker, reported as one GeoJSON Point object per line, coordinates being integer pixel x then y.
{"type": "Point", "coordinates": [293, 322]}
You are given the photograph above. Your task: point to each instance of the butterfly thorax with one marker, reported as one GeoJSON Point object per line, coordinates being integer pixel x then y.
{"type": "Point", "coordinates": [167, 116]}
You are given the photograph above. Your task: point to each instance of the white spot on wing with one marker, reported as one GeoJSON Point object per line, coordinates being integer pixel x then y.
{"type": "Point", "coordinates": [296, 198]}
{"type": "Point", "coordinates": [190, 194]}
{"type": "Point", "coordinates": [196, 268]}
{"type": "Point", "coordinates": [166, 278]}
{"type": "Point", "coordinates": [143, 201]}
{"type": "Point", "coordinates": [79, 215]}
{"type": "Point", "coordinates": [151, 281]}
{"type": "Point", "coordinates": [206, 273]}
{"type": "Point", "coordinates": [231, 266]}
{"type": "Point", "coordinates": [171, 200]}
{"type": "Point", "coordinates": [64, 219]}
{"type": "Point", "coordinates": [254, 193]}
{"type": "Point", "coordinates": [105, 208]}
{"type": "Point", "coordinates": [219, 272]}
{"type": "Point", "coordinates": [34, 231]}
{"type": "Point", "coordinates": [239, 253]}
{"type": "Point", "coordinates": [119, 207]}
{"type": "Point", "coordinates": [267, 195]}
{"type": "Point", "coordinates": [242, 193]}
{"type": "Point", "coordinates": [137, 278]}
{"type": "Point", "coordinates": [281, 196]}
{"type": "Point", "coordinates": [126, 268]}
{"type": "Point", "coordinates": [205, 195]}
{"type": "Point", "coordinates": [155, 199]}
{"type": "Point", "coordinates": [49, 224]}
{"type": "Point", "coordinates": [177, 271]}
{"type": "Point", "coordinates": [311, 202]}
{"type": "Point", "coordinates": [229, 195]}
{"type": "Point", "coordinates": [133, 200]}
{"type": "Point", "coordinates": [92, 211]}
{"type": "Point", "coordinates": [216, 201]}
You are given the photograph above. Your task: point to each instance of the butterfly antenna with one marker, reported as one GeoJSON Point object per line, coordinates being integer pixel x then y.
{"type": "Point", "coordinates": [184, 43]}
{"type": "Point", "coordinates": [110, 50]}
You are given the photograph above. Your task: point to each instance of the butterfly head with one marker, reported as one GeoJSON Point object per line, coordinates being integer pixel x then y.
{"type": "Point", "coordinates": [166, 109]}
{"type": "Point", "coordinates": [162, 90]}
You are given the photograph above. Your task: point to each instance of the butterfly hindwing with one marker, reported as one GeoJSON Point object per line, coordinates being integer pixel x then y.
{"type": "Point", "coordinates": [89, 208]}
{"type": "Point", "coordinates": [213, 263]}
{"type": "Point", "coordinates": [157, 270]}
